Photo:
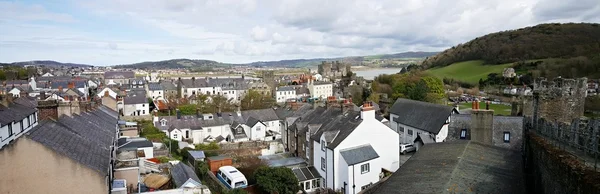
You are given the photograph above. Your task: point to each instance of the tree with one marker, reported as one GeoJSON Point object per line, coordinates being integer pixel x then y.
{"type": "Point", "coordinates": [255, 100]}
{"type": "Point", "coordinates": [277, 180]}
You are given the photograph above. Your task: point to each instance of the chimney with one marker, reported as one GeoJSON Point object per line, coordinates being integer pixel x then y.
{"type": "Point", "coordinates": [71, 85]}
{"type": "Point", "coordinates": [367, 111]}
{"type": "Point", "coordinates": [477, 104]}
{"type": "Point", "coordinates": [473, 105]}
{"type": "Point", "coordinates": [106, 94]}
{"type": "Point", "coordinates": [178, 112]}
{"type": "Point", "coordinates": [487, 105]}
{"type": "Point", "coordinates": [482, 126]}
{"type": "Point", "coordinates": [155, 117]}
{"type": "Point", "coordinates": [60, 88]}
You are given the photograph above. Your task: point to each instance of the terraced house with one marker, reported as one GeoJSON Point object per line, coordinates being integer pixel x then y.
{"type": "Point", "coordinates": [72, 154]}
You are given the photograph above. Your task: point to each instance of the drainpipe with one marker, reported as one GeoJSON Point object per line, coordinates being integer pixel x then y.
{"type": "Point", "coordinates": [333, 166]}
{"type": "Point", "coordinates": [353, 181]}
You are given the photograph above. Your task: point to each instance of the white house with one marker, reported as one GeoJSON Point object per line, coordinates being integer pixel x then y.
{"type": "Point", "coordinates": [409, 118]}
{"type": "Point", "coordinates": [320, 89]}
{"type": "Point", "coordinates": [111, 93]}
{"type": "Point", "coordinates": [240, 126]}
{"type": "Point", "coordinates": [16, 119]}
{"type": "Point", "coordinates": [353, 151]}
{"type": "Point", "coordinates": [154, 91]}
{"type": "Point", "coordinates": [136, 104]}
{"type": "Point", "coordinates": [285, 93]}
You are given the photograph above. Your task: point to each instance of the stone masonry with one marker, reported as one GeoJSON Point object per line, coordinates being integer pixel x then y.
{"type": "Point", "coordinates": [560, 99]}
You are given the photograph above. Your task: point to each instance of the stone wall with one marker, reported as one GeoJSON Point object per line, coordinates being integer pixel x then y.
{"type": "Point", "coordinates": [485, 128]}
{"type": "Point", "coordinates": [556, 171]}
{"type": "Point", "coordinates": [559, 99]}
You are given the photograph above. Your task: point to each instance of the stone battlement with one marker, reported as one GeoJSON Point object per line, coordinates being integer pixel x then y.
{"type": "Point", "coordinates": [560, 86]}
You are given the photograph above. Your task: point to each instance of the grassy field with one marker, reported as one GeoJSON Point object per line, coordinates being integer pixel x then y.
{"type": "Point", "coordinates": [467, 71]}
{"type": "Point", "coordinates": [499, 109]}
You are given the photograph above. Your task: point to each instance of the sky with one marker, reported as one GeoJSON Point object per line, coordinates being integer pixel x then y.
{"type": "Point", "coordinates": [113, 32]}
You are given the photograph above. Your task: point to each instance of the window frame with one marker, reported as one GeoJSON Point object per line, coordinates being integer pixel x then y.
{"type": "Point", "coordinates": [463, 134]}
{"type": "Point", "coordinates": [323, 164]}
{"type": "Point", "coordinates": [506, 137]}
{"type": "Point", "coordinates": [365, 168]}
{"type": "Point", "coordinates": [410, 132]}
{"type": "Point", "coordinates": [322, 145]}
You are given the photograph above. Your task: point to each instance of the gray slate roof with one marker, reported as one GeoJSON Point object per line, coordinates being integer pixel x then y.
{"type": "Point", "coordinates": [14, 112]}
{"type": "Point", "coordinates": [193, 122]}
{"type": "Point", "coordinates": [182, 173]}
{"type": "Point", "coordinates": [83, 138]}
{"type": "Point", "coordinates": [197, 154]}
{"type": "Point", "coordinates": [306, 173]}
{"type": "Point", "coordinates": [133, 143]}
{"type": "Point", "coordinates": [421, 115]}
{"type": "Point", "coordinates": [261, 114]}
{"type": "Point", "coordinates": [252, 121]}
{"type": "Point", "coordinates": [359, 154]}
{"type": "Point", "coordinates": [302, 90]}
{"type": "Point", "coordinates": [136, 98]}
{"type": "Point", "coordinates": [119, 75]}
{"type": "Point", "coordinates": [285, 89]}
{"type": "Point", "coordinates": [155, 86]}
{"type": "Point", "coordinates": [461, 165]}
{"type": "Point", "coordinates": [168, 85]}
{"type": "Point", "coordinates": [194, 83]}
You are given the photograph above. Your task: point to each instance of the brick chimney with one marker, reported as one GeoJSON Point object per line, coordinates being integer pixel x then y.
{"type": "Point", "coordinates": [48, 109]}
{"type": "Point", "coordinates": [106, 94]}
{"type": "Point", "coordinates": [71, 85]}
{"type": "Point", "coordinates": [60, 88]}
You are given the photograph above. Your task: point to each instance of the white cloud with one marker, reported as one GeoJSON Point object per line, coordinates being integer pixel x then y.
{"type": "Point", "coordinates": [251, 30]}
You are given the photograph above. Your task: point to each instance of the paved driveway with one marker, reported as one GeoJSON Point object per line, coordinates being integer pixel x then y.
{"type": "Point", "coordinates": [405, 157]}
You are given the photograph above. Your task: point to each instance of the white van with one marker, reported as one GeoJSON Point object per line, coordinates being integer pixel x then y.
{"type": "Point", "coordinates": [232, 177]}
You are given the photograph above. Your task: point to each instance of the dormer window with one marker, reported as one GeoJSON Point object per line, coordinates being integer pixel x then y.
{"type": "Point", "coordinates": [239, 130]}
{"type": "Point", "coordinates": [323, 145]}
{"type": "Point", "coordinates": [163, 122]}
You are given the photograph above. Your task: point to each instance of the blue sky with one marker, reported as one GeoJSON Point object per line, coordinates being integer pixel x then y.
{"type": "Point", "coordinates": [111, 32]}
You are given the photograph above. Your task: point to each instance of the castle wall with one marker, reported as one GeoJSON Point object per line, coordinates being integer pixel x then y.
{"type": "Point", "coordinates": [560, 100]}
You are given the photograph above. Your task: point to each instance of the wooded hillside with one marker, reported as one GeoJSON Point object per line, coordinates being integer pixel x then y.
{"type": "Point", "coordinates": [538, 42]}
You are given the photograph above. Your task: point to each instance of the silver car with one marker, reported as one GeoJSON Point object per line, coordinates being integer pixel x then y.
{"type": "Point", "coordinates": [405, 148]}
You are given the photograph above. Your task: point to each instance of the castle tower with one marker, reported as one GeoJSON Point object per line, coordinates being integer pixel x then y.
{"type": "Point", "coordinates": [559, 99]}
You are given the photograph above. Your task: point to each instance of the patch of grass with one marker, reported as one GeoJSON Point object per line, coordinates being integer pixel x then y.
{"type": "Point", "coordinates": [499, 109]}
{"type": "Point", "coordinates": [468, 71]}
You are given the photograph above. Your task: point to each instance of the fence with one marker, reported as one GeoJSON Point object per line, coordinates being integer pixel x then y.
{"type": "Point", "coordinates": [580, 138]}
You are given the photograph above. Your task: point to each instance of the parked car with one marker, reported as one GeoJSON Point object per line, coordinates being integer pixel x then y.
{"type": "Point", "coordinates": [406, 147]}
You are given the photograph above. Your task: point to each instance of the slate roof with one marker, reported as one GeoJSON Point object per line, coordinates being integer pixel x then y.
{"type": "Point", "coordinates": [228, 83]}
{"type": "Point", "coordinates": [194, 83]}
{"type": "Point", "coordinates": [119, 75]}
{"type": "Point", "coordinates": [462, 166]}
{"type": "Point", "coordinates": [168, 85]}
{"type": "Point", "coordinates": [181, 173]}
{"type": "Point", "coordinates": [252, 121]}
{"type": "Point", "coordinates": [138, 98]}
{"type": "Point", "coordinates": [65, 84]}
{"type": "Point", "coordinates": [302, 90]}
{"type": "Point", "coordinates": [261, 114]}
{"type": "Point", "coordinates": [26, 101]}
{"type": "Point", "coordinates": [359, 154]}
{"type": "Point", "coordinates": [306, 173]}
{"type": "Point", "coordinates": [133, 143]}
{"type": "Point", "coordinates": [193, 122]}
{"type": "Point", "coordinates": [196, 154]}
{"type": "Point", "coordinates": [83, 138]}
{"type": "Point", "coordinates": [425, 138]}
{"type": "Point", "coordinates": [421, 115]}
{"type": "Point", "coordinates": [285, 89]}
{"type": "Point", "coordinates": [338, 127]}
{"type": "Point", "coordinates": [14, 112]}
{"type": "Point", "coordinates": [154, 86]}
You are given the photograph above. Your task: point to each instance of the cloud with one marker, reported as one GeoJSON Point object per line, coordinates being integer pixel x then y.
{"type": "Point", "coordinates": [18, 11]}
{"type": "Point", "coordinates": [250, 30]}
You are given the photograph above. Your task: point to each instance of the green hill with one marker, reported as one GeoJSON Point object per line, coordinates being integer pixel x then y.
{"type": "Point", "coordinates": [546, 50]}
{"type": "Point", "coordinates": [467, 71]}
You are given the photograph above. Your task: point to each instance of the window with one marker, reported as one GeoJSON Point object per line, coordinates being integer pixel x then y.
{"type": "Point", "coordinates": [400, 129]}
{"type": "Point", "coordinates": [365, 168]}
{"type": "Point", "coordinates": [302, 185]}
{"type": "Point", "coordinates": [175, 136]}
{"type": "Point", "coordinates": [410, 132]}
{"type": "Point", "coordinates": [10, 131]}
{"type": "Point", "coordinates": [21, 123]}
{"type": "Point", "coordinates": [258, 128]}
{"type": "Point", "coordinates": [307, 185]}
{"type": "Point", "coordinates": [143, 112]}
{"type": "Point", "coordinates": [143, 105]}
{"type": "Point", "coordinates": [323, 164]}
{"type": "Point", "coordinates": [187, 134]}
{"type": "Point", "coordinates": [322, 145]}
{"type": "Point", "coordinates": [163, 123]}
{"type": "Point", "coordinates": [208, 130]}
{"type": "Point", "coordinates": [506, 137]}
{"type": "Point", "coordinates": [463, 133]}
